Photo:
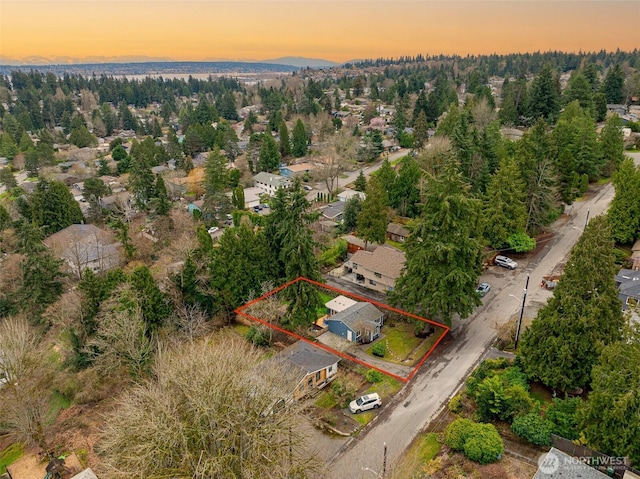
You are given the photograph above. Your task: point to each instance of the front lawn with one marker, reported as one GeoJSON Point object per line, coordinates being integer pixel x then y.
{"type": "Point", "coordinates": [403, 346]}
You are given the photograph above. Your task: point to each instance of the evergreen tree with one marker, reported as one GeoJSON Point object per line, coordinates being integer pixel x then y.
{"type": "Point", "coordinates": [360, 183]}
{"type": "Point", "coordinates": [539, 174]}
{"type": "Point", "coordinates": [612, 145]}
{"type": "Point", "coordinates": [579, 89]}
{"type": "Point", "coordinates": [609, 418]}
{"type": "Point", "coordinates": [420, 130]}
{"type": "Point", "coordinates": [51, 206]}
{"type": "Point", "coordinates": [613, 86]}
{"type": "Point", "coordinates": [216, 176]}
{"type": "Point", "coordinates": [624, 212]}
{"type": "Point", "coordinates": [141, 181]}
{"type": "Point", "coordinates": [504, 211]}
{"type": "Point", "coordinates": [5, 218]}
{"type": "Point", "coordinates": [372, 220]}
{"type": "Point", "coordinates": [153, 302]}
{"type": "Point", "coordinates": [583, 316]}
{"type": "Point", "coordinates": [443, 251]}
{"type": "Point", "coordinates": [7, 178]}
{"type": "Point", "coordinates": [161, 202]}
{"type": "Point", "coordinates": [285, 142]}
{"type": "Point", "coordinates": [299, 146]}
{"type": "Point", "coordinates": [350, 215]}
{"type": "Point", "coordinates": [544, 99]}
{"type": "Point", "coordinates": [269, 159]}
{"type": "Point", "coordinates": [237, 197]}
{"type": "Point", "coordinates": [405, 195]}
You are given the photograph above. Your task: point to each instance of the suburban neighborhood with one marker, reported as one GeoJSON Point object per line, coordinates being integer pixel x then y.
{"type": "Point", "coordinates": [420, 267]}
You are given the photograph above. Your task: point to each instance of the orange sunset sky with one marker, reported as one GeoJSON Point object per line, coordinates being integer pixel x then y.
{"type": "Point", "coordinates": [335, 30]}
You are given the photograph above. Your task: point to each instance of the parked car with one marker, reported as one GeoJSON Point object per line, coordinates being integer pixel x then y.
{"type": "Point", "coordinates": [307, 188]}
{"type": "Point", "coordinates": [364, 403]}
{"type": "Point", "coordinates": [505, 262]}
{"type": "Point", "coordinates": [213, 229]}
{"type": "Point", "coordinates": [483, 288]}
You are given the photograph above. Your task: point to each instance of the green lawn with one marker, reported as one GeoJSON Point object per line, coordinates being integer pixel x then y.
{"type": "Point", "coordinates": [387, 388]}
{"type": "Point", "coordinates": [399, 340]}
{"type": "Point", "coordinates": [10, 455]}
{"type": "Point", "coordinates": [428, 447]}
{"type": "Point", "coordinates": [325, 298]}
{"type": "Point", "coordinates": [365, 417]}
{"type": "Point", "coordinates": [326, 401]}
{"type": "Point", "coordinates": [395, 244]}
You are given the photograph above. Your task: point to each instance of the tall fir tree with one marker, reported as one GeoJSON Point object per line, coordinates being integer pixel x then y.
{"type": "Point", "coordinates": [443, 251]}
{"type": "Point", "coordinates": [624, 212]}
{"type": "Point", "coordinates": [299, 147]}
{"type": "Point", "coordinates": [372, 220]}
{"type": "Point", "coordinates": [583, 316]}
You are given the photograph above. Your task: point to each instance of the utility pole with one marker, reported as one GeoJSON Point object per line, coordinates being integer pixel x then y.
{"type": "Point", "coordinates": [384, 461]}
{"type": "Point", "coordinates": [524, 298]}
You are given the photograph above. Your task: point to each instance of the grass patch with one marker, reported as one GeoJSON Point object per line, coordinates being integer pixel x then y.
{"type": "Point", "coordinates": [241, 329]}
{"type": "Point", "coordinates": [10, 455]}
{"type": "Point", "coordinates": [428, 447]}
{"type": "Point", "coordinates": [395, 244]}
{"type": "Point", "coordinates": [400, 341]}
{"type": "Point", "coordinates": [540, 394]}
{"type": "Point", "coordinates": [603, 181]}
{"type": "Point", "coordinates": [56, 404]}
{"type": "Point", "coordinates": [322, 309]}
{"type": "Point", "coordinates": [364, 418]}
{"type": "Point", "coordinates": [326, 401]}
{"type": "Point", "coordinates": [386, 388]}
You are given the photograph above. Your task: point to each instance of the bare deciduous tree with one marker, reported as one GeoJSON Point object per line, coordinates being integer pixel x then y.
{"type": "Point", "coordinates": [209, 413]}
{"type": "Point", "coordinates": [122, 340]}
{"type": "Point", "coordinates": [24, 399]}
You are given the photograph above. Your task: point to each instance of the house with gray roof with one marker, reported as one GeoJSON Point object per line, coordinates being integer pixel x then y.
{"type": "Point", "coordinates": [86, 247]}
{"type": "Point", "coordinates": [311, 368]}
{"type": "Point", "coordinates": [270, 183]}
{"type": "Point", "coordinates": [359, 323]}
{"type": "Point", "coordinates": [334, 211]}
{"type": "Point", "coordinates": [628, 283]}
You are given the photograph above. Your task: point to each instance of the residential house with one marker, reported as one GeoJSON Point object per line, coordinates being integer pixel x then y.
{"type": "Point", "coordinates": [195, 206]}
{"type": "Point", "coordinates": [377, 270]}
{"type": "Point", "coordinates": [118, 202]}
{"type": "Point", "coordinates": [359, 323]}
{"type": "Point", "coordinates": [347, 194]}
{"type": "Point", "coordinates": [296, 170]}
{"type": "Point", "coordinates": [355, 244]}
{"type": "Point", "coordinates": [628, 283]}
{"type": "Point", "coordinates": [270, 183]}
{"type": "Point", "coordinates": [251, 196]}
{"type": "Point", "coordinates": [396, 232]}
{"type": "Point", "coordinates": [334, 211]}
{"type": "Point", "coordinates": [311, 367]}
{"type": "Point", "coordinates": [338, 304]}
{"type": "Point", "coordinates": [86, 247]}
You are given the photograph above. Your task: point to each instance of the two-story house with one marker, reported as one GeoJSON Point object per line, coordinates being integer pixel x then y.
{"type": "Point", "coordinates": [378, 269]}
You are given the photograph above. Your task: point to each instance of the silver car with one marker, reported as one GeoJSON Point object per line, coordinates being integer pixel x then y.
{"type": "Point", "coordinates": [505, 262]}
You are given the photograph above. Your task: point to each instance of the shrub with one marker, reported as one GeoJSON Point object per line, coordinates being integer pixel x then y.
{"type": "Point", "coordinates": [379, 349]}
{"type": "Point", "coordinates": [257, 336]}
{"type": "Point", "coordinates": [343, 392]}
{"type": "Point", "coordinates": [484, 444]}
{"type": "Point", "coordinates": [374, 376]}
{"type": "Point", "coordinates": [521, 242]}
{"type": "Point", "coordinates": [479, 442]}
{"type": "Point", "coordinates": [458, 432]}
{"type": "Point", "coordinates": [485, 370]}
{"type": "Point", "coordinates": [515, 376]}
{"type": "Point", "coordinates": [455, 405]}
{"type": "Point", "coordinates": [562, 414]}
{"type": "Point", "coordinates": [534, 428]}
{"type": "Point", "coordinates": [497, 399]}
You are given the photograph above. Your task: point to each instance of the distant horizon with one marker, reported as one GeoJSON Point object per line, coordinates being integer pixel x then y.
{"type": "Point", "coordinates": [128, 59]}
{"type": "Point", "coordinates": [87, 31]}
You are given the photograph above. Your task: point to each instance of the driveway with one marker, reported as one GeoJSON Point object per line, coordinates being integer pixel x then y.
{"type": "Point", "coordinates": [442, 375]}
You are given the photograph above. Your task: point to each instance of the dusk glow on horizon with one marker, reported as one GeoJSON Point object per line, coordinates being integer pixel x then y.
{"type": "Point", "coordinates": [252, 30]}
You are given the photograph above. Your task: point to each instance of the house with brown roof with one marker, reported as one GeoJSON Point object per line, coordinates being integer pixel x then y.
{"type": "Point", "coordinates": [296, 170]}
{"type": "Point", "coordinates": [377, 270]}
{"type": "Point", "coordinates": [396, 232]}
{"type": "Point", "coordinates": [86, 247]}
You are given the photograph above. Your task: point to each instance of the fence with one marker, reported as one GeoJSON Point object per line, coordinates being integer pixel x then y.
{"type": "Point", "coordinates": [612, 466]}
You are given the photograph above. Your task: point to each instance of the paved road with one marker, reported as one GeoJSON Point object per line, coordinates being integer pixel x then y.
{"type": "Point", "coordinates": [443, 374]}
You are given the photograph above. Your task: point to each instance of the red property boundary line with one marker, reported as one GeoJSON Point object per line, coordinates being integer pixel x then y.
{"type": "Point", "coordinates": [240, 311]}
